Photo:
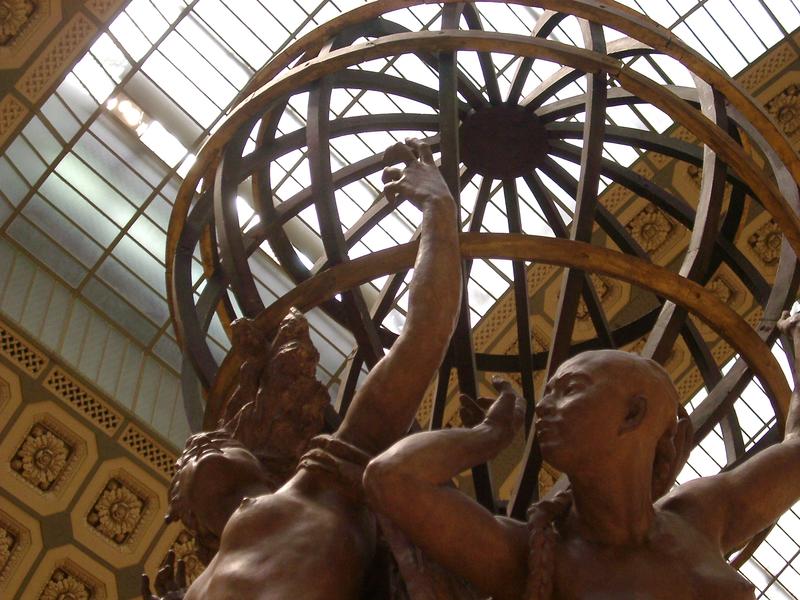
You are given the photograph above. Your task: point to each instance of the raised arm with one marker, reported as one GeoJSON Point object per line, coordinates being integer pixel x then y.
{"type": "Point", "coordinates": [734, 506]}
{"type": "Point", "coordinates": [407, 483]}
{"type": "Point", "coordinates": [384, 406]}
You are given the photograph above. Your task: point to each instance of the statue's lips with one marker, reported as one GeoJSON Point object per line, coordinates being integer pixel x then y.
{"type": "Point", "coordinates": [544, 429]}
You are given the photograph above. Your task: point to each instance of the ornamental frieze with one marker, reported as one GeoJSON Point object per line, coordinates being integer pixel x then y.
{"type": "Point", "coordinates": [785, 108]}
{"type": "Point", "coordinates": [14, 16]}
{"type": "Point", "coordinates": [8, 543]}
{"type": "Point", "coordinates": [117, 512]}
{"type": "Point", "coordinates": [766, 243]}
{"type": "Point", "coordinates": [651, 228]}
{"type": "Point", "coordinates": [64, 585]}
{"type": "Point", "coordinates": [42, 458]}
{"type": "Point", "coordinates": [185, 548]}
{"type": "Point", "coordinates": [601, 288]}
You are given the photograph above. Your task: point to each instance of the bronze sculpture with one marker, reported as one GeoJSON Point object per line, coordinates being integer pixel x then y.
{"type": "Point", "coordinates": [312, 536]}
{"type": "Point", "coordinates": [607, 419]}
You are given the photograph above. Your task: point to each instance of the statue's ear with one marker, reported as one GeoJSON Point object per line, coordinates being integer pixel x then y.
{"type": "Point", "coordinates": [635, 413]}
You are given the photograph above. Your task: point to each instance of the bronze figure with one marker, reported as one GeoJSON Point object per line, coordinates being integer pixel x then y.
{"type": "Point", "coordinates": [272, 534]}
{"type": "Point", "coordinates": [610, 421]}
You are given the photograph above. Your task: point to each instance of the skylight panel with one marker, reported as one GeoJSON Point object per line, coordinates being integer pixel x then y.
{"type": "Point", "coordinates": [47, 146]}
{"type": "Point", "coordinates": [148, 19]}
{"type": "Point", "coordinates": [110, 167]}
{"type": "Point", "coordinates": [688, 36]}
{"type": "Point", "coordinates": [661, 11]}
{"type": "Point", "coordinates": [787, 13]}
{"type": "Point", "coordinates": [246, 44]}
{"type": "Point", "coordinates": [197, 68]}
{"type": "Point", "coordinates": [86, 216]}
{"type": "Point", "coordinates": [728, 56]}
{"type": "Point", "coordinates": [110, 57]}
{"type": "Point", "coordinates": [165, 145]}
{"type": "Point", "coordinates": [759, 22]}
{"type": "Point", "coordinates": [90, 185]}
{"type": "Point", "coordinates": [130, 36]}
{"type": "Point", "coordinates": [181, 89]}
{"type": "Point", "coordinates": [134, 289]}
{"type": "Point", "coordinates": [149, 235]}
{"type": "Point", "coordinates": [63, 231]}
{"type": "Point", "coordinates": [215, 50]}
{"type": "Point", "coordinates": [14, 188]}
{"type": "Point", "coordinates": [94, 77]}
{"type": "Point", "coordinates": [480, 301]}
{"type": "Point", "coordinates": [142, 263]}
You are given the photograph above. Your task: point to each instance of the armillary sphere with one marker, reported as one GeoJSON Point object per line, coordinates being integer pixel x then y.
{"type": "Point", "coordinates": [511, 145]}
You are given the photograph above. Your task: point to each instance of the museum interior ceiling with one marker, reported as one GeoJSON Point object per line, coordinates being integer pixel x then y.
{"type": "Point", "coordinates": [103, 106]}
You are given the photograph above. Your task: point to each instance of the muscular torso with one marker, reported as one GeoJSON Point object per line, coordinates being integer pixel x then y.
{"type": "Point", "coordinates": [291, 544]}
{"type": "Point", "coordinates": [677, 562]}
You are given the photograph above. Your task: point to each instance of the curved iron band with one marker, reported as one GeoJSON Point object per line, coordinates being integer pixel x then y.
{"type": "Point", "coordinates": [672, 205]}
{"type": "Point", "coordinates": [544, 26]}
{"type": "Point", "coordinates": [688, 294]}
{"type": "Point", "coordinates": [609, 13]}
{"type": "Point", "coordinates": [586, 201]}
{"type": "Point", "coordinates": [290, 82]}
{"type": "Point", "coordinates": [722, 397]}
{"type": "Point", "coordinates": [192, 318]}
{"type": "Point", "coordinates": [701, 245]}
{"type": "Point", "coordinates": [621, 48]}
{"type": "Point", "coordinates": [524, 46]}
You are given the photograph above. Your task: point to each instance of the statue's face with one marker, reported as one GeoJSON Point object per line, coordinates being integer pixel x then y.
{"type": "Point", "coordinates": [584, 403]}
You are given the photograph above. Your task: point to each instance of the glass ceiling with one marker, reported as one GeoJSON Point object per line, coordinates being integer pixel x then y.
{"type": "Point", "coordinates": [89, 184]}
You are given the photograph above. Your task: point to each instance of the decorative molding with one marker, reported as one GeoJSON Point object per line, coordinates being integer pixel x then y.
{"type": "Point", "coordinates": [185, 548]}
{"type": "Point", "coordinates": [64, 584]}
{"type": "Point", "coordinates": [20, 352]}
{"type": "Point", "coordinates": [601, 286]}
{"type": "Point", "coordinates": [12, 113]}
{"type": "Point", "coordinates": [766, 243]}
{"type": "Point", "coordinates": [766, 67]}
{"type": "Point", "coordinates": [651, 228]}
{"type": "Point", "coordinates": [66, 573]}
{"type": "Point", "coordinates": [120, 509]}
{"type": "Point", "coordinates": [49, 66]}
{"type": "Point", "coordinates": [45, 456]}
{"type": "Point", "coordinates": [15, 15]}
{"type": "Point", "coordinates": [117, 512]}
{"type": "Point", "coordinates": [20, 543]}
{"type": "Point", "coordinates": [65, 387]}
{"type": "Point", "coordinates": [785, 108]}
{"type": "Point", "coordinates": [24, 26]}
{"type": "Point", "coordinates": [42, 458]}
{"type": "Point", "coordinates": [103, 9]}
{"type": "Point", "coordinates": [10, 395]}
{"type": "Point", "coordinates": [146, 448]}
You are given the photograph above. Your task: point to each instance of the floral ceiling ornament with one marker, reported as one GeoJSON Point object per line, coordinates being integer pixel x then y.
{"type": "Point", "coordinates": [63, 586]}
{"type": "Point", "coordinates": [601, 288]}
{"type": "Point", "coordinates": [721, 289]}
{"type": "Point", "coordinates": [651, 228]}
{"type": "Point", "coordinates": [117, 512]}
{"type": "Point", "coordinates": [695, 174]}
{"type": "Point", "coordinates": [41, 458]}
{"type": "Point", "coordinates": [766, 243]}
{"type": "Point", "coordinates": [185, 548]}
{"type": "Point", "coordinates": [785, 107]}
{"type": "Point", "coordinates": [6, 546]}
{"type": "Point", "coordinates": [14, 14]}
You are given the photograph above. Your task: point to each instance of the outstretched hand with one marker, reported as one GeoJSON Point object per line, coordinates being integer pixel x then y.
{"type": "Point", "coordinates": [170, 581]}
{"type": "Point", "coordinates": [789, 323]}
{"type": "Point", "coordinates": [420, 182]}
{"type": "Point", "coordinates": [506, 413]}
